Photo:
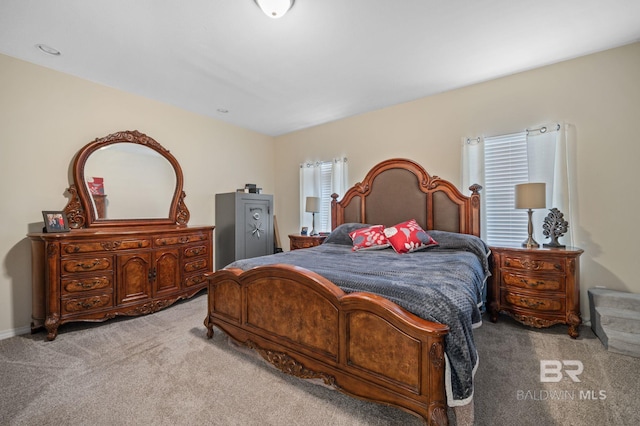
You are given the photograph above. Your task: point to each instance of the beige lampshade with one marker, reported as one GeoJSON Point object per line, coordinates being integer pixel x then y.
{"type": "Point", "coordinates": [531, 196]}
{"type": "Point", "coordinates": [313, 205]}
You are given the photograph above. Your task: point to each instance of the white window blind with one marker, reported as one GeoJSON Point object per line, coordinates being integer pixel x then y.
{"type": "Point", "coordinates": [323, 221]}
{"type": "Point", "coordinates": [505, 165]}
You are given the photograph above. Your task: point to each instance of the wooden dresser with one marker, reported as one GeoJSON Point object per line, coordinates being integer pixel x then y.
{"type": "Point", "coordinates": [537, 286]}
{"type": "Point", "coordinates": [297, 241]}
{"type": "Point", "coordinates": [88, 275]}
{"type": "Point", "coordinates": [130, 252]}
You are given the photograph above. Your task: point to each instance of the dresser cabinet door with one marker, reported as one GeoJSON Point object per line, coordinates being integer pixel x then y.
{"type": "Point", "coordinates": [134, 277]}
{"type": "Point", "coordinates": [166, 272]}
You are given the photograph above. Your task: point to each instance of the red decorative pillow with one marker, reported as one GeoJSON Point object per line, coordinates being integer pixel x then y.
{"type": "Point", "coordinates": [408, 236]}
{"type": "Point", "coordinates": [371, 238]}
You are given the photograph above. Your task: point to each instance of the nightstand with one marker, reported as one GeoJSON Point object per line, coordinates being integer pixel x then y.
{"type": "Point", "coordinates": [297, 241]}
{"type": "Point", "coordinates": [539, 287]}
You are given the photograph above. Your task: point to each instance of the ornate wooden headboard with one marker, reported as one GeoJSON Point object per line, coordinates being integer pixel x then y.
{"type": "Point", "coordinates": [396, 190]}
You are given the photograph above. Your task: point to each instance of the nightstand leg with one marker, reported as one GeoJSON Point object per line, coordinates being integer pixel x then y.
{"type": "Point", "coordinates": [574, 324]}
{"type": "Point", "coordinates": [493, 312]}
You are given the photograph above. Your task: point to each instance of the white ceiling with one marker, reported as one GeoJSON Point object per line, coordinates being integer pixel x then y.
{"type": "Point", "coordinates": [324, 60]}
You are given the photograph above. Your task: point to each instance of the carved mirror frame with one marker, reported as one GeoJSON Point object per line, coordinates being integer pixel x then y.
{"type": "Point", "coordinates": [80, 211]}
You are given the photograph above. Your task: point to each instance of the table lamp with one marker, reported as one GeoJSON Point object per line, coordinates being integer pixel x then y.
{"type": "Point", "coordinates": [313, 207]}
{"type": "Point", "coordinates": [530, 196]}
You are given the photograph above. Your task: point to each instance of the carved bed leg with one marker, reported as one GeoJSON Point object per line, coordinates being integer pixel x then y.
{"type": "Point", "coordinates": [438, 409]}
{"type": "Point", "coordinates": [439, 417]}
{"type": "Point", "coordinates": [209, 324]}
{"type": "Point", "coordinates": [51, 324]}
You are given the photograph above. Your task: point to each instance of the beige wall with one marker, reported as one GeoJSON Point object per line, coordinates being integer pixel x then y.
{"type": "Point", "coordinates": [599, 94]}
{"type": "Point", "coordinates": [46, 116]}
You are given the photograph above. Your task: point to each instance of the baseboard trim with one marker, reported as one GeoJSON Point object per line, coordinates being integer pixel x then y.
{"type": "Point", "coordinates": [14, 332]}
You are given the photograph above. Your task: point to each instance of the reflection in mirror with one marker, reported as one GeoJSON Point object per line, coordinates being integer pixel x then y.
{"type": "Point", "coordinates": [137, 182]}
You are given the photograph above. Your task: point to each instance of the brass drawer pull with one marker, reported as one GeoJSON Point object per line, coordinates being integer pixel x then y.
{"type": "Point", "coordinates": [531, 283]}
{"type": "Point", "coordinates": [531, 304]}
{"type": "Point", "coordinates": [89, 266]}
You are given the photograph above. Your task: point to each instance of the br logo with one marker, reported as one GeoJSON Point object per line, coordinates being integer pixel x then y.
{"type": "Point", "coordinates": [551, 370]}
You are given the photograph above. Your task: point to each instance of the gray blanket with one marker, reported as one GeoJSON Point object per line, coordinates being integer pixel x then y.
{"type": "Point", "coordinates": [444, 283]}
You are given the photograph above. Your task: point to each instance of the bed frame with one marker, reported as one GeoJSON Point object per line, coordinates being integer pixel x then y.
{"type": "Point", "coordinates": [361, 344]}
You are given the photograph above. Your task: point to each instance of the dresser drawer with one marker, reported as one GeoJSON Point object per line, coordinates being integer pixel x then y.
{"type": "Point", "coordinates": [533, 303]}
{"type": "Point", "coordinates": [532, 263]}
{"type": "Point", "coordinates": [194, 251]}
{"type": "Point", "coordinates": [79, 285]}
{"type": "Point", "coordinates": [180, 239]}
{"type": "Point", "coordinates": [196, 265]}
{"type": "Point", "coordinates": [195, 280]}
{"type": "Point", "coordinates": [85, 304]}
{"type": "Point", "coordinates": [554, 282]}
{"type": "Point", "coordinates": [87, 264]}
{"type": "Point", "coordinates": [105, 245]}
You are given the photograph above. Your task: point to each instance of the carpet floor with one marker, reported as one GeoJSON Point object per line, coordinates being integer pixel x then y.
{"type": "Point", "coordinates": [161, 369]}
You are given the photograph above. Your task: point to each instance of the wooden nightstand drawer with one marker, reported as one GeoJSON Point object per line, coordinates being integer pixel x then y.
{"type": "Point", "coordinates": [305, 244]}
{"type": "Point", "coordinates": [533, 282]}
{"type": "Point", "coordinates": [532, 263]}
{"type": "Point", "coordinates": [537, 304]}
{"type": "Point", "coordinates": [304, 241]}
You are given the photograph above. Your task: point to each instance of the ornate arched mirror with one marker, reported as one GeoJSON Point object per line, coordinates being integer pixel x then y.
{"type": "Point", "coordinates": [126, 179]}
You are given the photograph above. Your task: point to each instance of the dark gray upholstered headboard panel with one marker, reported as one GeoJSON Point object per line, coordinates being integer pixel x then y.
{"type": "Point", "coordinates": [398, 189]}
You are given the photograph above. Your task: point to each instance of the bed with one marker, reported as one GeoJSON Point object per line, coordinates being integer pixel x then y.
{"type": "Point", "coordinates": [312, 322]}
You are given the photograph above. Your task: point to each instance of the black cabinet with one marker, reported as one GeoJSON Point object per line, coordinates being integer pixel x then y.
{"type": "Point", "coordinates": [244, 226]}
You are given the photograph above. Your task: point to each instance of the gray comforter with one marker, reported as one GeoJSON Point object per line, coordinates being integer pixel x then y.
{"type": "Point", "coordinates": [444, 283]}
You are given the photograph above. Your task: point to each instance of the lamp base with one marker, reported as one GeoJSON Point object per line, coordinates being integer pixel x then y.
{"type": "Point", "coordinates": [530, 242]}
{"type": "Point", "coordinates": [313, 232]}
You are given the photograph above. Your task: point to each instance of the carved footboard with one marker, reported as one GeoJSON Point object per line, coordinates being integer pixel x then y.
{"type": "Point", "coordinates": [361, 344]}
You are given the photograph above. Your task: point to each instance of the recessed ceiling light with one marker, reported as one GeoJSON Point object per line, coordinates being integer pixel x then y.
{"type": "Point", "coordinates": [48, 50]}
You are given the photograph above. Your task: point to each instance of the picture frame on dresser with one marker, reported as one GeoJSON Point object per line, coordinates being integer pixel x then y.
{"type": "Point", "coordinates": [55, 221]}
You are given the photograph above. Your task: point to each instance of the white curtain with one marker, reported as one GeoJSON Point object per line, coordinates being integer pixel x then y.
{"type": "Point", "coordinates": [551, 150]}
{"type": "Point", "coordinates": [321, 179]}
{"type": "Point", "coordinates": [339, 177]}
{"type": "Point", "coordinates": [473, 171]}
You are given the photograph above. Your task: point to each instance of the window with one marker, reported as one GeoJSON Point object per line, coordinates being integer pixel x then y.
{"type": "Point", "coordinates": [498, 163]}
{"type": "Point", "coordinates": [321, 179]}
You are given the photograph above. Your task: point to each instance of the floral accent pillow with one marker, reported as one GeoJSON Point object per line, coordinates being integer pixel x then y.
{"type": "Point", "coordinates": [408, 236]}
{"type": "Point", "coordinates": [371, 238]}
